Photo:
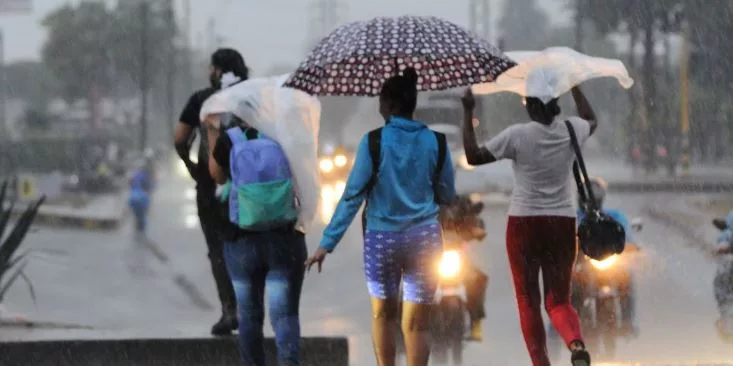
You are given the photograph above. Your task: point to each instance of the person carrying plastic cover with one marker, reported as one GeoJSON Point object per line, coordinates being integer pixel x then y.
{"type": "Point", "coordinates": [265, 251]}
{"type": "Point", "coordinates": [223, 61]}
{"type": "Point", "coordinates": [142, 184]}
{"type": "Point", "coordinates": [541, 226]}
{"type": "Point", "coordinates": [401, 171]}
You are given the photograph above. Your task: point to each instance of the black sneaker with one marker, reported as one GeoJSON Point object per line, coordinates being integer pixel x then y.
{"type": "Point", "coordinates": [580, 357]}
{"type": "Point", "coordinates": [225, 325]}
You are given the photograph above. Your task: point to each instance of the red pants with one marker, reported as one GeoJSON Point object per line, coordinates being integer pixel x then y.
{"type": "Point", "coordinates": [547, 243]}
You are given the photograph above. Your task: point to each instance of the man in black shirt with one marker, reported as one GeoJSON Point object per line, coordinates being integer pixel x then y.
{"type": "Point", "coordinates": [213, 222]}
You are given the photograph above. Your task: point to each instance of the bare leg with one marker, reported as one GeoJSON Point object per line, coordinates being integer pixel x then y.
{"type": "Point", "coordinates": [384, 323]}
{"type": "Point", "coordinates": [415, 327]}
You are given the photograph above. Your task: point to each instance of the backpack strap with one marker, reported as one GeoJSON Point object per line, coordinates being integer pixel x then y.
{"type": "Point", "coordinates": [375, 149]}
{"type": "Point", "coordinates": [585, 189]}
{"type": "Point", "coordinates": [236, 135]}
{"type": "Point", "coordinates": [442, 153]}
{"type": "Point", "coordinates": [374, 140]}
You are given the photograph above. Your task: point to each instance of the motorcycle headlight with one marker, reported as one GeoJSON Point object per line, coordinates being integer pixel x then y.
{"type": "Point", "coordinates": [340, 186]}
{"type": "Point", "coordinates": [604, 264]}
{"type": "Point", "coordinates": [463, 163]}
{"type": "Point", "coordinates": [328, 202]}
{"type": "Point", "coordinates": [326, 165]}
{"type": "Point", "coordinates": [340, 161]}
{"type": "Point", "coordinates": [450, 264]}
{"type": "Point", "coordinates": [327, 193]}
{"type": "Point", "coordinates": [182, 169]}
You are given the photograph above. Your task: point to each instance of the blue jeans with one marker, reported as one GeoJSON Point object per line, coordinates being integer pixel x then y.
{"type": "Point", "coordinates": [276, 260]}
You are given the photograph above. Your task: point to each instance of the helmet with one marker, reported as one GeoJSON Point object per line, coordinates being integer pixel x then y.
{"type": "Point", "coordinates": [600, 187]}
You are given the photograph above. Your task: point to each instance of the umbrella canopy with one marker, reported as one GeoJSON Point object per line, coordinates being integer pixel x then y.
{"type": "Point", "coordinates": [358, 57]}
{"type": "Point", "coordinates": [553, 72]}
{"type": "Point", "coordinates": [288, 116]}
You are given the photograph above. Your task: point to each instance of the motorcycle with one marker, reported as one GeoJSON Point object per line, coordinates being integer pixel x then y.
{"type": "Point", "coordinates": [449, 313]}
{"type": "Point", "coordinates": [449, 318]}
{"type": "Point", "coordinates": [723, 287]}
{"type": "Point", "coordinates": [596, 294]}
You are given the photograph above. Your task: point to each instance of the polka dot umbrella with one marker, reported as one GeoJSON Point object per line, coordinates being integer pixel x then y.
{"type": "Point", "coordinates": [356, 58]}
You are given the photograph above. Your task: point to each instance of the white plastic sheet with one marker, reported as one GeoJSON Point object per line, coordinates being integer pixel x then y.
{"type": "Point", "coordinates": [288, 116]}
{"type": "Point", "coordinates": [553, 72]}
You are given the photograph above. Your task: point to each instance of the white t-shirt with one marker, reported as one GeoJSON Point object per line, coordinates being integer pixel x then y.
{"type": "Point", "coordinates": [542, 158]}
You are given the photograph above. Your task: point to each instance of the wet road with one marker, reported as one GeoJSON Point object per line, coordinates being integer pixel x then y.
{"type": "Point", "coordinates": [107, 281]}
{"type": "Point", "coordinates": [675, 305]}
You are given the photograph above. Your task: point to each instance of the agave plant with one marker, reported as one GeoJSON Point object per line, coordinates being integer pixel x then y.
{"type": "Point", "coordinates": [12, 264]}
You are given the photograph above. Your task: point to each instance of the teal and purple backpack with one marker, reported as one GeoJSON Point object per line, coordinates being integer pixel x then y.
{"type": "Point", "coordinates": [262, 194]}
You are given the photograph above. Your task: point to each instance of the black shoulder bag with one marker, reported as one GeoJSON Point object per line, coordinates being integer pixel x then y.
{"type": "Point", "coordinates": [600, 236]}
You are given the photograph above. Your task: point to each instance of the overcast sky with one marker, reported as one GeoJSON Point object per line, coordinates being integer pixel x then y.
{"type": "Point", "coordinates": [267, 32]}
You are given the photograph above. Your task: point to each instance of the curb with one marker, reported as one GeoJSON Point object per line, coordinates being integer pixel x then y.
{"type": "Point", "coordinates": [70, 220]}
{"type": "Point", "coordinates": [19, 322]}
{"type": "Point", "coordinates": [55, 220]}
{"type": "Point", "coordinates": [161, 352]}
{"type": "Point", "coordinates": [687, 186]}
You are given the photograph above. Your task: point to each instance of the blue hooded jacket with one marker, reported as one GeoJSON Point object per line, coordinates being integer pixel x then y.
{"type": "Point", "coordinates": [403, 196]}
{"type": "Point", "coordinates": [726, 236]}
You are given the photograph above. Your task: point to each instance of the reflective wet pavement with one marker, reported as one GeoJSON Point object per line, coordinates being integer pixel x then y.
{"type": "Point", "coordinates": [111, 282]}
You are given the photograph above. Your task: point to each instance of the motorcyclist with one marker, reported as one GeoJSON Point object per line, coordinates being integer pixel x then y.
{"type": "Point", "coordinates": [142, 184]}
{"type": "Point", "coordinates": [462, 226]}
{"type": "Point", "coordinates": [723, 282]}
{"type": "Point", "coordinates": [626, 286]}
{"type": "Point", "coordinates": [461, 220]}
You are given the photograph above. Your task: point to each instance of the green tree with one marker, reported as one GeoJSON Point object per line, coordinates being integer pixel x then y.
{"type": "Point", "coordinates": [523, 25]}
{"type": "Point", "coordinates": [638, 19]}
{"type": "Point", "coordinates": [142, 34]}
{"type": "Point", "coordinates": [78, 49]}
{"type": "Point", "coordinates": [37, 118]}
{"type": "Point", "coordinates": [30, 81]}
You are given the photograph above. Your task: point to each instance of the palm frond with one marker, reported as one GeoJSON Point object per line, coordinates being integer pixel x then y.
{"type": "Point", "coordinates": [4, 287]}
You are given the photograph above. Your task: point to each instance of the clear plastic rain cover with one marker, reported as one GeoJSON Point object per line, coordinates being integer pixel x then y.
{"type": "Point", "coordinates": [290, 117]}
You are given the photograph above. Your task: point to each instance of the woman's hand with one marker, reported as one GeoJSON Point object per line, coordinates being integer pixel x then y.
{"type": "Point", "coordinates": [318, 257]}
{"type": "Point", "coordinates": [469, 102]}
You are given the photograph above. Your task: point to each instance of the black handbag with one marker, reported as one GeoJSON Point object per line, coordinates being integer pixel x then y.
{"type": "Point", "coordinates": [600, 236]}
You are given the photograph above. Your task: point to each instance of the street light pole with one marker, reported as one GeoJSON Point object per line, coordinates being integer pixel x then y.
{"type": "Point", "coordinates": [188, 75]}
{"type": "Point", "coordinates": [3, 87]}
{"type": "Point", "coordinates": [579, 19]}
{"type": "Point", "coordinates": [144, 21]}
{"type": "Point", "coordinates": [172, 67]}
{"type": "Point", "coordinates": [684, 98]}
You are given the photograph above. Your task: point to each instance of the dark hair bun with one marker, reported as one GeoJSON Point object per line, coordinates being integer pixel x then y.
{"type": "Point", "coordinates": [410, 75]}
